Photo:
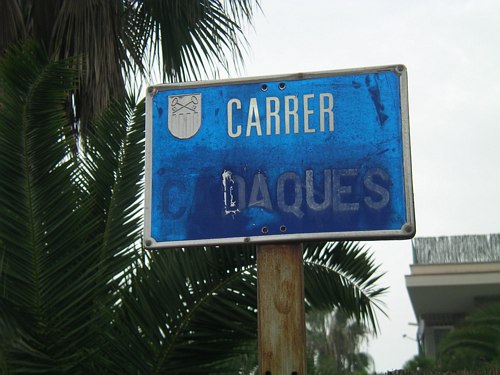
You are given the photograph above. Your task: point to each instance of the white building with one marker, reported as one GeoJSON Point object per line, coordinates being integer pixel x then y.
{"type": "Point", "coordinates": [450, 277]}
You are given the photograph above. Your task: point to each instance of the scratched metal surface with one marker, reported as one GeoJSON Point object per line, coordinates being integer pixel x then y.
{"type": "Point", "coordinates": [226, 176]}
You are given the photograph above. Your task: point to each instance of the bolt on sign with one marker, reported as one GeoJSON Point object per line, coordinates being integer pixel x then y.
{"type": "Point", "coordinates": [310, 156]}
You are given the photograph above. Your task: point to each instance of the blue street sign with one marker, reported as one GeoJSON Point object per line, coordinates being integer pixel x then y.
{"type": "Point", "coordinates": [317, 156]}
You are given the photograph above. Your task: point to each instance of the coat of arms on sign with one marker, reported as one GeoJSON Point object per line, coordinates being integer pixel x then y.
{"type": "Point", "coordinates": [184, 115]}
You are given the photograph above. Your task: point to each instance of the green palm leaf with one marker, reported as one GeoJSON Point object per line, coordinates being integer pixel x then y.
{"type": "Point", "coordinates": [475, 344]}
{"type": "Point", "coordinates": [187, 310]}
{"type": "Point", "coordinates": [343, 275]}
{"type": "Point", "coordinates": [36, 197]}
{"type": "Point", "coordinates": [77, 296]}
{"type": "Point", "coordinates": [117, 41]}
{"type": "Point", "coordinates": [194, 310]}
{"type": "Point", "coordinates": [67, 227]}
{"type": "Point", "coordinates": [191, 37]}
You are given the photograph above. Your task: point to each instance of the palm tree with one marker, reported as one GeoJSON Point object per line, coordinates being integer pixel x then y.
{"type": "Point", "coordinates": [475, 344]}
{"type": "Point", "coordinates": [66, 225]}
{"type": "Point", "coordinates": [77, 293]}
{"type": "Point", "coordinates": [205, 304]}
{"type": "Point", "coordinates": [334, 341]}
{"type": "Point", "coordinates": [113, 41]}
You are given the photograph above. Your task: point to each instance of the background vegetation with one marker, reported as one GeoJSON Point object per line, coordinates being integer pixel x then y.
{"type": "Point", "coordinates": [78, 293]}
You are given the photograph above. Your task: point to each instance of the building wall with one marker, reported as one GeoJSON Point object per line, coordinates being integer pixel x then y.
{"type": "Point", "coordinates": [450, 277]}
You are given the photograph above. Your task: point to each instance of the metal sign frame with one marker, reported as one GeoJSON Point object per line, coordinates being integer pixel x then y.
{"type": "Point", "coordinates": [188, 103]}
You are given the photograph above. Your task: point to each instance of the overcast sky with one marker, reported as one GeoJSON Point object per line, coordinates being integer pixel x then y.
{"type": "Point", "coordinates": [452, 52]}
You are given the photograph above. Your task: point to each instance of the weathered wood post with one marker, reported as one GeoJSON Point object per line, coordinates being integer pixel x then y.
{"type": "Point", "coordinates": [280, 303]}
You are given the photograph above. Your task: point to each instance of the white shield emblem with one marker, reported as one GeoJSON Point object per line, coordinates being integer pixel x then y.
{"type": "Point", "coordinates": [184, 115]}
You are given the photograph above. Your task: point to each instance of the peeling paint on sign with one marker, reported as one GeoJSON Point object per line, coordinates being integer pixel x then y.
{"type": "Point", "coordinates": [316, 156]}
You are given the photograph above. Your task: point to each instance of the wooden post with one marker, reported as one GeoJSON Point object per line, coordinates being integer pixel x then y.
{"type": "Point", "coordinates": [280, 303]}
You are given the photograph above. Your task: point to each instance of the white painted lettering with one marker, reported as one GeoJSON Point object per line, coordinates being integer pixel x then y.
{"type": "Point", "coordinates": [340, 190]}
{"type": "Point", "coordinates": [293, 208]}
{"type": "Point", "coordinates": [307, 112]}
{"type": "Point", "coordinates": [259, 196]}
{"type": "Point", "coordinates": [311, 192]}
{"type": "Point", "coordinates": [291, 111]}
{"type": "Point", "coordinates": [325, 110]}
{"type": "Point", "coordinates": [383, 194]}
{"type": "Point", "coordinates": [340, 193]}
{"type": "Point", "coordinates": [270, 114]}
{"type": "Point", "coordinates": [253, 118]}
{"type": "Point", "coordinates": [230, 130]}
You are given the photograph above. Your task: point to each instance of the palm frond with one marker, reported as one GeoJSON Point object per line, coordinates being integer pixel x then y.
{"type": "Point", "coordinates": [92, 301]}
{"type": "Point", "coordinates": [113, 169]}
{"type": "Point", "coordinates": [37, 200]}
{"type": "Point", "coordinates": [351, 276]}
{"type": "Point", "coordinates": [186, 311]}
{"type": "Point", "coordinates": [115, 41]}
{"type": "Point", "coordinates": [192, 37]}
{"type": "Point", "coordinates": [474, 344]}
{"type": "Point", "coordinates": [67, 227]}
{"type": "Point", "coordinates": [11, 24]}
{"type": "Point", "coordinates": [194, 310]}
{"type": "Point", "coordinates": [93, 31]}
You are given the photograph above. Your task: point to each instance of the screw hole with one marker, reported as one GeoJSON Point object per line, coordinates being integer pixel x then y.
{"type": "Point", "coordinates": [283, 228]}
{"type": "Point", "coordinates": [282, 86]}
{"type": "Point", "coordinates": [263, 87]}
{"type": "Point", "coordinates": [264, 230]}
{"type": "Point", "coordinates": [295, 373]}
{"type": "Point", "coordinates": [268, 373]}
